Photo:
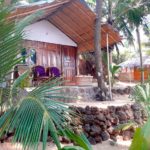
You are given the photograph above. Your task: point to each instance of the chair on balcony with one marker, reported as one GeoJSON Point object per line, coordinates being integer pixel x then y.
{"type": "Point", "coordinates": [39, 75]}
{"type": "Point", "coordinates": [53, 72]}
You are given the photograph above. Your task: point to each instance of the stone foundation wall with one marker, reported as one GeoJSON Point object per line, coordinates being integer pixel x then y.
{"type": "Point", "coordinates": [101, 124]}
{"type": "Point", "coordinates": [89, 93]}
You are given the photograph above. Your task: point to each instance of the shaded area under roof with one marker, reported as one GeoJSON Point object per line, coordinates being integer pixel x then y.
{"type": "Point", "coordinates": [74, 18]}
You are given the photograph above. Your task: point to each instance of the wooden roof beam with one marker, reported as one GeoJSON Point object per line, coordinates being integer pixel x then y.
{"type": "Point", "coordinates": [60, 9]}
{"type": "Point", "coordinates": [62, 22]}
{"type": "Point", "coordinates": [68, 28]}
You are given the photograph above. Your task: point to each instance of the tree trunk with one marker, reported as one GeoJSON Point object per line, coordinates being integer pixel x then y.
{"type": "Point", "coordinates": [7, 2]}
{"type": "Point", "coordinates": [97, 43]}
{"type": "Point", "coordinates": [110, 20]}
{"type": "Point", "coordinates": [140, 52]}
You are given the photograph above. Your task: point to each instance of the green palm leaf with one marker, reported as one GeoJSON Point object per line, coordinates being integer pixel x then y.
{"type": "Point", "coordinates": [72, 148]}
{"type": "Point", "coordinates": [34, 117]}
{"type": "Point", "coordinates": [81, 140]}
{"type": "Point", "coordinates": [141, 93]}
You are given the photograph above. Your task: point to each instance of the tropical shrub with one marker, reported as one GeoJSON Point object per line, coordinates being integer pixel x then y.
{"type": "Point", "coordinates": [114, 70]}
{"type": "Point", "coordinates": [141, 140]}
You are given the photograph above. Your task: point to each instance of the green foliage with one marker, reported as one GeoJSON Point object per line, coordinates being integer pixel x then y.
{"type": "Point", "coordinates": [135, 16]}
{"type": "Point", "coordinates": [36, 114]}
{"type": "Point", "coordinates": [11, 35]}
{"type": "Point", "coordinates": [30, 115]}
{"type": "Point", "coordinates": [141, 93]}
{"type": "Point", "coordinates": [125, 15]}
{"type": "Point", "coordinates": [80, 139]}
{"type": "Point", "coordinates": [141, 140]}
{"type": "Point", "coordinates": [126, 126]}
{"type": "Point", "coordinates": [72, 148]}
{"type": "Point", "coordinates": [10, 44]}
{"type": "Point", "coordinates": [114, 70]}
{"type": "Point", "coordinates": [123, 56]}
{"type": "Point", "coordinates": [24, 80]}
{"type": "Point", "coordinates": [91, 3]}
{"type": "Point", "coordinates": [130, 14]}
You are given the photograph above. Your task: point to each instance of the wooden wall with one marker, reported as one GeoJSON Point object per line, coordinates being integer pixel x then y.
{"type": "Point", "coordinates": [133, 74]}
{"type": "Point", "coordinates": [137, 74]}
{"type": "Point", "coordinates": [54, 55]}
{"type": "Point", "coordinates": [126, 75]}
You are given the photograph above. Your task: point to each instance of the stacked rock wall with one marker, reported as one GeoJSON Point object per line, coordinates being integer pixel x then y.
{"type": "Point", "coordinates": [101, 124]}
{"type": "Point", "coordinates": [90, 93]}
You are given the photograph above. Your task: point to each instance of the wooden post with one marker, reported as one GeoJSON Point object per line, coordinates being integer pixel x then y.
{"type": "Point", "coordinates": [141, 57]}
{"type": "Point", "coordinates": [108, 68]}
{"type": "Point", "coordinates": [78, 63]}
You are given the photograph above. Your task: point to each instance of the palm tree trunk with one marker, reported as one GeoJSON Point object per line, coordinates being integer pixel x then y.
{"type": "Point", "coordinates": [110, 11]}
{"type": "Point", "coordinates": [98, 52]}
{"type": "Point", "coordinates": [140, 52]}
{"type": "Point", "coordinates": [7, 2]}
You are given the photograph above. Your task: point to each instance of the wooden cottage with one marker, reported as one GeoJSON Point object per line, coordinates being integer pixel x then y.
{"type": "Point", "coordinates": [65, 28]}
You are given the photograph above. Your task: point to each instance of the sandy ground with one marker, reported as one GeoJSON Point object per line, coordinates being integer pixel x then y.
{"type": "Point", "coordinates": [120, 145]}
{"type": "Point", "coordinates": [119, 100]}
{"type": "Point", "coordinates": [120, 84]}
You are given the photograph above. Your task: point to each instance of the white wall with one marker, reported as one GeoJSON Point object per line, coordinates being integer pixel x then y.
{"type": "Point", "coordinates": [44, 31]}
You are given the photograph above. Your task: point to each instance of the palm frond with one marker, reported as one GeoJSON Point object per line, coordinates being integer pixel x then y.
{"type": "Point", "coordinates": [36, 115]}
{"type": "Point", "coordinates": [141, 94]}
{"type": "Point", "coordinates": [11, 40]}
{"type": "Point", "coordinates": [72, 148]}
{"type": "Point", "coordinates": [81, 140]}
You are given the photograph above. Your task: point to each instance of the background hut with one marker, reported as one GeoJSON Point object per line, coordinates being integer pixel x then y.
{"type": "Point", "coordinates": [131, 70]}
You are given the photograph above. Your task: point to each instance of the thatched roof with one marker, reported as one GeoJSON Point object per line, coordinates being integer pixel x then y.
{"type": "Point", "coordinates": [135, 62]}
{"type": "Point", "coordinates": [72, 17]}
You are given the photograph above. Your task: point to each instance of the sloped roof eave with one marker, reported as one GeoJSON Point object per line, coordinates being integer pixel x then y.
{"type": "Point", "coordinates": [73, 18]}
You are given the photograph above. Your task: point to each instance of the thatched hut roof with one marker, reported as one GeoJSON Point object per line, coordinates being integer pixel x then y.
{"type": "Point", "coordinates": [72, 17]}
{"type": "Point", "coordinates": [135, 62]}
